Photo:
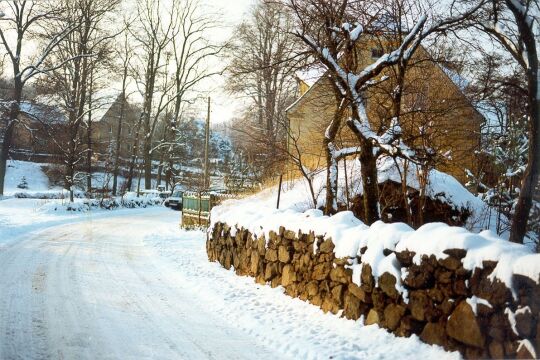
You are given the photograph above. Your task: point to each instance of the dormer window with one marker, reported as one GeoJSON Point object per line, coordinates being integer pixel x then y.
{"type": "Point", "coordinates": [376, 53]}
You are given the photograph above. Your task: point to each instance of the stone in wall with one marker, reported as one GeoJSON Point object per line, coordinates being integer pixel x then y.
{"type": "Point", "coordinates": [437, 307]}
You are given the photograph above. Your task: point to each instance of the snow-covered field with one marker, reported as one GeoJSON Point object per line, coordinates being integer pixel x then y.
{"type": "Point", "coordinates": [32, 173]}
{"type": "Point", "coordinates": [130, 284]}
{"type": "Point", "coordinates": [38, 185]}
{"type": "Point", "coordinates": [27, 180]}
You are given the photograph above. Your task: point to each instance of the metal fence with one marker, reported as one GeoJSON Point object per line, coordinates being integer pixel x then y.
{"type": "Point", "coordinates": [196, 207]}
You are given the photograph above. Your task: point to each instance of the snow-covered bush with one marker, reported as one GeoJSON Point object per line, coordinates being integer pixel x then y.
{"type": "Point", "coordinates": [52, 194]}
{"type": "Point", "coordinates": [506, 147]}
{"type": "Point", "coordinates": [129, 200]}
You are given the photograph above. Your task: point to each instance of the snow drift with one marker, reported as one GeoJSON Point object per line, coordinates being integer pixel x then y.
{"type": "Point", "coordinates": [258, 215]}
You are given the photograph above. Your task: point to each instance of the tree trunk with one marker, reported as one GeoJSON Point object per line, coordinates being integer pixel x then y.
{"type": "Point", "coordinates": [118, 140]}
{"type": "Point", "coordinates": [89, 139]}
{"type": "Point", "coordinates": [422, 175]}
{"type": "Point", "coordinates": [4, 154]}
{"type": "Point", "coordinates": [368, 171]}
{"type": "Point", "coordinates": [330, 206]}
{"type": "Point", "coordinates": [147, 147]}
{"type": "Point", "coordinates": [522, 210]}
{"type": "Point", "coordinates": [160, 171]}
{"type": "Point", "coordinates": [167, 179]}
{"type": "Point", "coordinates": [147, 165]}
{"type": "Point", "coordinates": [12, 116]}
{"type": "Point", "coordinates": [129, 180]}
{"type": "Point", "coordinates": [6, 143]}
{"type": "Point", "coordinates": [139, 182]}
{"type": "Point", "coordinates": [147, 144]}
{"type": "Point", "coordinates": [331, 179]}
{"type": "Point", "coordinates": [89, 158]}
{"type": "Point", "coordinates": [71, 172]}
{"type": "Point", "coordinates": [134, 152]}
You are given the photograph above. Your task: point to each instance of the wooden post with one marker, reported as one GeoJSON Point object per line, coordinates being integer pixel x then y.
{"type": "Point", "coordinates": [279, 191]}
{"type": "Point", "coordinates": [206, 184]}
{"type": "Point", "coordinates": [139, 180]}
{"type": "Point", "coordinates": [200, 203]}
{"type": "Point", "coordinates": [346, 182]}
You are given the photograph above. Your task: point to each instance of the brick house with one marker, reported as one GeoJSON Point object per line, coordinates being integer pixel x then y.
{"type": "Point", "coordinates": [41, 118]}
{"type": "Point", "coordinates": [105, 126]}
{"type": "Point", "coordinates": [433, 102]}
{"type": "Point", "coordinates": [32, 139]}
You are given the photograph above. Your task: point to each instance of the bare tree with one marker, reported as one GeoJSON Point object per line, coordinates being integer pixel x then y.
{"type": "Point", "coordinates": [18, 21]}
{"type": "Point", "coordinates": [125, 54]}
{"type": "Point", "coordinates": [514, 25]}
{"type": "Point", "coordinates": [296, 156]}
{"type": "Point", "coordinates": [332, 30]}
{"type": "Point", "coordinates": [153, 32]}
{"type": "Point", "coordinates": [176, 54]}
{"type": "Point", "coordinates": [192, 52]}
{"type": "Point", "coordinates": [85, 46]}
{"type": "Point", "coordinates": [264, 57]}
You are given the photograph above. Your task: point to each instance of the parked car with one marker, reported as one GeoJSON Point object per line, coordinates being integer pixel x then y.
{"type": "Point", "coordinates": [164, 194]}
{"type": "Point", "coordinates": [175, 200]}
{"type": "Point", "coordinates": [149, 194]}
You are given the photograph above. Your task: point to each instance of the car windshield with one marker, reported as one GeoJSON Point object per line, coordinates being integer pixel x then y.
{"type": "Point", "coordinates": [177, 194]}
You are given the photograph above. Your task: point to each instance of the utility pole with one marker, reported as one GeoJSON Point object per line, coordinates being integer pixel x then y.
{"type": "Point", "coordinates": [89, 138]}
{"type": "Point", "coordinates": [206, 150]}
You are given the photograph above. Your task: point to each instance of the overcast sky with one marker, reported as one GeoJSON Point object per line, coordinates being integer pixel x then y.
{"type": "Point", "coordinates": [224, 107]}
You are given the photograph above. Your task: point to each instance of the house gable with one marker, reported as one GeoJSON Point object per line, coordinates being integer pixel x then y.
{"type": "Point", "coordinates": [431, 100]}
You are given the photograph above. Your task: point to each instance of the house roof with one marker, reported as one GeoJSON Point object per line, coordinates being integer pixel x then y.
{"type": "Point", "coordinates": [311, 76]}
{"type": "Point", "coordinates": [42, 112]}
{"type": "Point", "coordinates": [314, 78]}
{"type": "Point", "coordinates": [462, 83]}
{"type": "Point", "coordinates": [102, 101]}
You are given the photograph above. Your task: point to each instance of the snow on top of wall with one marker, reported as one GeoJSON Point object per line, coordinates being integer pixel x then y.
{"type": "Point", "coordinates": [473, 301]}
{"type": "Point", "coordinates": [295, 195]}
{"type": "Point", "coordinates": [512, 258]}
{"type": "Point", "coordinates": [258, 214]}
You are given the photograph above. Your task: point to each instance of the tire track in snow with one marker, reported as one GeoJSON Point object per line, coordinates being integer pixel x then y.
{"type": "Point", "coordinates": [91, 289]}
{"type": "Point", "coordinates": [22, 314]}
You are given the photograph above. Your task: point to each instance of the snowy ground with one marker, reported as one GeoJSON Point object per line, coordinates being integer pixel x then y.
{"type": "Point", "coordinates": [33, 173]}
{"type": "Point", "coordinates": [130, 284]}
{"type": "Point", "coordinates": [38, 184]}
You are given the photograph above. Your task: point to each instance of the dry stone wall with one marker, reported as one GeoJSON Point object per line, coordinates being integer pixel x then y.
{"type": "Point", "coordinates": [443, 303]}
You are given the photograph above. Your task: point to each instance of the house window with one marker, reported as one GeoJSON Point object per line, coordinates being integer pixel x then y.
{"type": "Point", "coordinates": [110, 129]}
{"type": "Point", "coordinates": [376, 53]}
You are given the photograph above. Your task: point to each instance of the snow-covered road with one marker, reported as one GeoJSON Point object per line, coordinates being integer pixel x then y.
{"type": "Point", "coordinates": [132, 285]}
{"type": "Point", "coordinates": [93, 290]}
